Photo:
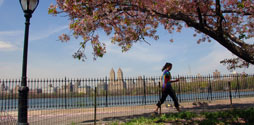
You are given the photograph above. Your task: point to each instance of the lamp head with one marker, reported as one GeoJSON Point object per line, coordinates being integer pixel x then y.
{"type": "Point", "coordinates": [29, 6]}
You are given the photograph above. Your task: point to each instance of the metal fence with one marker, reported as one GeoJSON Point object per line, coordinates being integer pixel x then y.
{"type": "Point", "coordinates": [65, 93]}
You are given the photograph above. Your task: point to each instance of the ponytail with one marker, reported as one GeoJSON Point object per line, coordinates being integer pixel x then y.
{"type": "Point", "coordinates": [165, 66]}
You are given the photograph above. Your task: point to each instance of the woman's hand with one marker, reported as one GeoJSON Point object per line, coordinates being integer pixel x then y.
{"type": "Point", "coordinates": [177, 80]}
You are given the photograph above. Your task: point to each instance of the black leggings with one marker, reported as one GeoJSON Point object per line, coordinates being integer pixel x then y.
{"type": "Point", "coordinates": [168, 91]}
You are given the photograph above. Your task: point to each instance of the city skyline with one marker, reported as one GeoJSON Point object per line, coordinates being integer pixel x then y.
{"type": "Point", "coordinates": [115, 83]}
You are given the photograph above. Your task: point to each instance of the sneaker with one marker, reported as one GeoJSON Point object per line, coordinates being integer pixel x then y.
{"type": "Point", "coordinates": [178, 109]}
{"type": "Point", "coordinates": [155, 112]}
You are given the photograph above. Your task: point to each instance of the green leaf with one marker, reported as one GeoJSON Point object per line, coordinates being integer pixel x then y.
{"type": "Point", "coordinates": [50, 11]}
{"type": "Point", "coordinates": [240, 5]}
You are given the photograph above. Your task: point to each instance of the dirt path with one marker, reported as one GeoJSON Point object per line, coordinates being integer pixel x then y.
{"type": "Point", "coordinates": [108, 114]}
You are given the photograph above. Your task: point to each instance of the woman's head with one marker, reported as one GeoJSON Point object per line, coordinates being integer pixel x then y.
{"type": "Point", "coordinates": [167, 66]}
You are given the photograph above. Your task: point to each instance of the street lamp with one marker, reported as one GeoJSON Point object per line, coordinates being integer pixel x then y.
{"type": "Point", "coordinates": [28, 7]}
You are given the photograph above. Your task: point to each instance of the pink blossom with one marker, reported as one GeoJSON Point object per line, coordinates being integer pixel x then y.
{"type": "Point", "coordinates": [132, 20]}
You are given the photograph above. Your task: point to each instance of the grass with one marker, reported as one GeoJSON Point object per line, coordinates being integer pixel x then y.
{"type": "Point", "coordinates": [228, 117]}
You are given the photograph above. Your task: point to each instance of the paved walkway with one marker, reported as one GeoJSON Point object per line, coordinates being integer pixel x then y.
{"type": "Point", "coordinates": [108, 114]}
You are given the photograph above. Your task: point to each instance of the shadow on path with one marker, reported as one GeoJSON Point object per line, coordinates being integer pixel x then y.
{"type": "Point", "coordinates": [197, 109]}
{"type": "Point", "coordinates": [218, 107]}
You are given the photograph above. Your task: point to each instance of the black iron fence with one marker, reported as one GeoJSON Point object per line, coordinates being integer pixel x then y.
{"type": "Point", "coordinates": [71, 101]}
{"type": "Point", "coordinates": [80, 93]}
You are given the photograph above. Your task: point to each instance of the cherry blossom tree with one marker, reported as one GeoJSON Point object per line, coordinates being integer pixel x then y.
{"type": "Point", "coordinates": [229, 22]}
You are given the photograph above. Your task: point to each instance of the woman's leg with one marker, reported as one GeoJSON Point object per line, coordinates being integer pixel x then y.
{"type": "Point", "coordinates": [163, 98]}
{"type": "Point", "coordinates": [173, 96]}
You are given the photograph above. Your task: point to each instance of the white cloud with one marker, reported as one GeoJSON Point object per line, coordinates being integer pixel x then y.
{"type": "Point", "coordinates": [10, 33]}
{"type": "Point", "coordinates": [144, 55]}
{"type": "Point", "coordinates": [6, 46]}
{"type": "Point", "coordinates": [47, 33]}
{"type": "Point", "coordinates": [139, 52]}
{"type": "Point", "coordinates": [15, 36]}
{"type": "Point", "coordinates": [11, 40]}
{"type": "Point", "coordinates": [209, 63]}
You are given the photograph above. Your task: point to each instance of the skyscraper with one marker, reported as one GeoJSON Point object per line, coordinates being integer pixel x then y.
{"type": "Point", "coordinates": [116, 84]}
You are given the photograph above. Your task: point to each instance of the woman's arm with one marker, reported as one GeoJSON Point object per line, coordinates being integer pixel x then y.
{"type": "Point", "coordinates": [176, 80]}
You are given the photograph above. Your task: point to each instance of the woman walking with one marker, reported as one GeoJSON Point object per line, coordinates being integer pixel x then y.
{"type": "Point", "coordinates": [167, 88]}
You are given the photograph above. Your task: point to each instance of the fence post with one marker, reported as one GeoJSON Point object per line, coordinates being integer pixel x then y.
{"type": "Point", "coordinates": [144, 98]}
{"type": "Point", "coordinates": [179, 89]}
{"type": "Point", "coordinates": [95, 105]}
{"type": "Point", "coordinates": [160, 93]}
{"type": "Point", "coordinates": [230, 95]}
{"type": "Point", "coordinates": [238, 86]}
{"type": "Point", "coordinates": [65, 101]}
{"type": "Point", "coordinates": [210, 89]}
{"type": "Point", "coordinates": [106, 91]}
{"type": "Point", "coordinates": [2, 97]}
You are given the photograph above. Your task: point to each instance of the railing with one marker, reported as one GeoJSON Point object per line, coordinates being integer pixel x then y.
{"type": "Point", "coordinates": [79, 93]}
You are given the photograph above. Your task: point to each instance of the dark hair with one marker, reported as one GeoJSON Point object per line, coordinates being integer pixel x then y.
{"type": "Point", "coordinates": [166, 65]}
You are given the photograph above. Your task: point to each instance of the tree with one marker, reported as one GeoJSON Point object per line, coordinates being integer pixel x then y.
{"type": "Point", "coordinates": [229, 22]}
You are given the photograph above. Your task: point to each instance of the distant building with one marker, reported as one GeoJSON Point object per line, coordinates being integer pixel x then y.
{"type": "Point", "coordinates": [48, 90]}
{"type": "Point", "coordinates": [82, 90]}
{"type": "Point", "coordinates": [76, 86]}
{"type": "Point", "coordinates": [182, 80]}
{"type": "Point", "coordinates": [16, 89]}
{"type": "Point", "coordinates": [70, 87]}
{"type": "Point", "coordinates": [2, 87]}
{"type": "Point", "coordinates": [216, 75]}
{"type": "Point", "coordinates": [102, 85]}
{"type": "Point", "coordinates": [116, 84]}
{"type": "Point", "coordinates": [150, 83]}
{"type": "Point", "coordinates": [130, 84]}
{"type": "Point", "coordinates": [140, 82]}
{"type": "Point", "coordinates": [35, 91]}
{"type": "Point", "coordinates": [66, 88]}
{"type": "Point", "coordinates": [112, 75]}
{"type": "Point", "coordinates": [198, 78]}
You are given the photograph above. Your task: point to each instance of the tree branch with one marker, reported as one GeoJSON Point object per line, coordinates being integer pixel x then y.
{"type": "Point", "coordinates": [237, 12]}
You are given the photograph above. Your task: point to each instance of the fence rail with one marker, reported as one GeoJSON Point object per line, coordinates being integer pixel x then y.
{"type": "Point", "coordinates": [68, 93]}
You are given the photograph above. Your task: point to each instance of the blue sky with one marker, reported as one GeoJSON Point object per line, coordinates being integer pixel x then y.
{"type": "Point", "coordinates": [49, 58]}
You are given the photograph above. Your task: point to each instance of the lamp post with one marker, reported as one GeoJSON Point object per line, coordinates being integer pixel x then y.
{"type": "Point", "coordinates": [28, 7]}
